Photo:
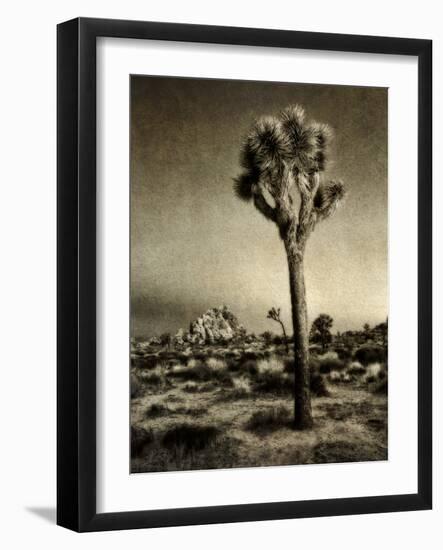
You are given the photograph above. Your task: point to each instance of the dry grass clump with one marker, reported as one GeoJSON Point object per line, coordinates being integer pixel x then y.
{"type": "Point", "coordinates": [190, 437]}
{"type": "Point", "coordinates": [249, 367]}
{"type": "Point", "coordinates": [380, 387]}
{"type": "Point", "coordinates": [328, 364]}
{"type": "Point", "coordinates": [156, 410]}
{"type": "Point", "coordinates": [318, 385]}
{"type": "Point", "coordinates": [140, 439]}
{"type": "Point", "coordinates": [136, 387]}
{"type": "Point", "coordinates": [148, 362]}
{"type": "Point", "coordinates": [274, 382]}
{"type": "Point", "coordinates": [356, 369]}
{"type": "Point", "coordinates": [155, 378]}
{"type": "Point", "coordinates": [192, 411]}
{"type": "Point", "coordinates": [269, 420]}
{"type": "Point", "coordinates": [213, 370]}
{"type": "Point", "coordinates": [347, 451]}
{"type": "Point", "coordinates": [194, 387]}
{"type": "Point", "coordinates": [221, 453]}
{"type": "Point", "coordinates": [241, 390]}
{"type": "Point", "coordinates": [370, 354]}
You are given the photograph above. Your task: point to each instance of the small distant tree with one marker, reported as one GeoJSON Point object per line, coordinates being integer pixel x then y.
{"type": "Point", "coordinates": [382, 328]}
{"type": "Point", "coordinates": [274, 314]}
{"type": "Point", "coordinates": [321, 330]}
{"type": "Point", "coordinates": [267, 337]}
{"type": "Point", "coordinates": [166, 339]}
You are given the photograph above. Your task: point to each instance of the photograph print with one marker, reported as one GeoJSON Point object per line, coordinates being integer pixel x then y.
{"type": "Point", "coordinates": [259, 274]}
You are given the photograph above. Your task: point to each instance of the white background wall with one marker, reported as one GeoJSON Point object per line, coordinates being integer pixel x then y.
{"type": "Point", "coordinates": [27, 275]}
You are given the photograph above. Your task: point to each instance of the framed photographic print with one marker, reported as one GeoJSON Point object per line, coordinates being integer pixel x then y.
{"type": "Point", "coordinates": [244, 274]}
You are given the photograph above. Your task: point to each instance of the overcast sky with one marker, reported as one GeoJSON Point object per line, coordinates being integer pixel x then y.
{"type": "Point", "coordinates": [194, 245]}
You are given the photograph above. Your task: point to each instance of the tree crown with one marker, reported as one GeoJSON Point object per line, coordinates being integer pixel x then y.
{"type": "Point", "coordinates": [281, 157]}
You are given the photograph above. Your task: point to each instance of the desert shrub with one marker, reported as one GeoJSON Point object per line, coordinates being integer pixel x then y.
{"type": "Point", "coordinates": [267, 337]}
{"type": "Point", "coordinates": [140, 438]}
{"type": "Point", "coordinates": [224, 378]}
{"type": "Point", "coordinates": [347, 451]}
{"type": "Point", "coordinates": [289, 366]}
{"type": "Point", "coordinates": [275, 382]}
{"type": "Point", "coordinates": [173, 363]}
{"type": "Point", "coordinates": [166, 355]}
{"type": "Point", "coordinates": [157, 458]}
{"type": "Point", "coordinates": [189, 437]}
{"type": "Point", "coordinates": [201, 356]}
{"type": "Point", "coordinates": [380, 387]}
{"type": "Point", "coordinates": [195, 370]}
{"type": "Point", "coordinates": [136, 387]}
{"type": "Point", "coordinates": [216, 363]}
{"type": "Point", "coordinates": [273, 364]}
{"type": "Point", "coordinates": [269, 420]}
{"type": "Point", "coordinates": [328, 364]}
{"type": "Point", "coordinates": [317, 381]}
{"type": "Point", "coordinates": [252, 355]}
{"type": "Point", "coordinates": [194, 411]}
{"type": "Point", "coordinates": [318, 385]}
{"type": "Point", "coordinates": [193, 387]}
{"type": "Point", "coordinates": [370, 354]}
{"type": "Point", "coordinates": [241, 389]}
{"type": "Point", "coordinates": [149, 362]}
{"type": "Point", "coordinates": [156, 410]}
{"type": "Point", "coordinates": [233, 365]}
{"type": "Point", "coordinates": [344, 354]}
{"type": "Point", "coordinates": [356, 368]}
{"type": "Point", "coordinates": [340, 377]}
{"type": "Point", "coordinates": [250, 367]}
{"type": "Point", "coordinates": [155, 377]}
{"type": "Point", "coordinates": [182, 358]}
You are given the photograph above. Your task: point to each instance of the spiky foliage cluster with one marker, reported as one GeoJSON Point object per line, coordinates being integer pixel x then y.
{"type": "Point", "coordinates": [328, 197]}
{"type": "Point", "coordinates": [274, 314]}
{"type": "Point", "coordinates": [263, 155]}
{"type": "Point", "coordinates": [306, 142]}
{"type": "Point", "coordinates": [283, 152]}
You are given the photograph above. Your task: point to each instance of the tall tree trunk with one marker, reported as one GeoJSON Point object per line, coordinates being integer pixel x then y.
{"type": "Point", "coordinates": [302, 393]}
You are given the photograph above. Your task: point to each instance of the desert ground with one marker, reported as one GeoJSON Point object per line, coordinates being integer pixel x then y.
{"type": "Point", "coordinates": [230, 404]}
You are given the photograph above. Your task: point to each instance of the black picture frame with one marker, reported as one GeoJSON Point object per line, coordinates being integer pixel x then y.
{"type": "Point", "coordinates": [76, 296]}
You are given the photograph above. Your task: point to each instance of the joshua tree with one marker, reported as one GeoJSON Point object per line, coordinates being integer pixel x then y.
{"type": "Point", "coordinates": [282, 159]}
{"type": "Point", "coordinates": [321, 330]}
{"type": "Point", "coordinates": [274, 314]}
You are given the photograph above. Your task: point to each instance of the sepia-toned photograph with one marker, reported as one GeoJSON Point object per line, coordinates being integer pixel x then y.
{"type": "Point", "coordinates": [258, 272]}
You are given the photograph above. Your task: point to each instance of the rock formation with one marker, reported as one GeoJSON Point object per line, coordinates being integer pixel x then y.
{"type": "Point", "coordinates": [216, 325]}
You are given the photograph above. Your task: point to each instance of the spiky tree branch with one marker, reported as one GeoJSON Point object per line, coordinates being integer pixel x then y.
{"type": "Point", "coordinates": [274, 314]}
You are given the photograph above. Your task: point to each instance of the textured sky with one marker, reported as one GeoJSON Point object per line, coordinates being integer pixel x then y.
{"type": "Point", "coordinates": [194, 245]}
